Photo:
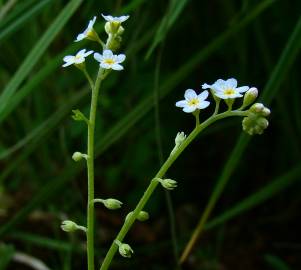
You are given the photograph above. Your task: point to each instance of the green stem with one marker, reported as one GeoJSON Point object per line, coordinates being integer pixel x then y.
{"type": "Point", "coordinates": [90, 168]}
{"type": "Point", "coordinates": [153, 184]}
{"type": "Point", "coordinates": [89, 78]}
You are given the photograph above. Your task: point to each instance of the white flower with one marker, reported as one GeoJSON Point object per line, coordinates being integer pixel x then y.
{"type": "Point", "coordinates": [77, 59]}
{"type": "Point", "coordinates": [108, 60]}
{"type": "Point", "coordinates": [120, 19]}
{"type": "Point", "coordinates": [193, 101]}
{"type": "Point", "coordinates": [88, 32]}
{"type": "Point", "coordinates": [226, 89]}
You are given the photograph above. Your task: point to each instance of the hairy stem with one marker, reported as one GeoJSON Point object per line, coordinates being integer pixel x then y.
{"type": "Point", "coordinates": [153, 184]}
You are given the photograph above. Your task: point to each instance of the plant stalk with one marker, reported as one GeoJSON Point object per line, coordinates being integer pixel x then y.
{"type": "Point", "coordinates": [154, 183]}
{"type": "Point", "coordinates": [90, 169]}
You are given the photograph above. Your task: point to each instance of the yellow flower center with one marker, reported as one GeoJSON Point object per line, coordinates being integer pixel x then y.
{"type": "Point", "coordinates": [229, 91]}
{"type": "Point", "coordinates": [193, 102]}
{"type": "Point", "coordinates": [90, 33]}
{"type": "Point", "coordinates": [109, 61]}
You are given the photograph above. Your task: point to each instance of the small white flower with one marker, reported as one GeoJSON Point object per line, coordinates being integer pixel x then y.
{"type": "Point", "coordinates": [226, 89]}
{"type": "Point", "coordinates": [77, 59]}
{"type": "Point", "coordinates": [108, 60]}
{"type": "Point", "coordinates": [193, 101]}
{"type": "Point", "coordinates": [88, 32]}
{"type": "Point", "coordinates": [120, 19]}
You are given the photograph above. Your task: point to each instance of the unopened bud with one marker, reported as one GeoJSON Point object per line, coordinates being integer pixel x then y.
{"type": "Point", "coordinates": [112, 204]}
{"type": "Point", "coordinates": [180, 138]}
{"type": "Point", "coordinates": [69, 226]}
{"type": "Point", "coordinates": [169, 184]}
{"type": "Point", "coordinates": [250, 96]}
{"type": "Point", "coordinates": [143, 216]}
{"type": "Point", "coordinates": [78, 156]}
{"type": "Point", "coordinates": [257, 107]}
{"type": "Point", "coordinates": [124, 249]}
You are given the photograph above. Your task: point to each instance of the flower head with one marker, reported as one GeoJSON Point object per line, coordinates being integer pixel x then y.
{"type": "Point", "coordinates": [193, 101]}
{"type": "Point", "coordinates": [79, 58]}
{"type": "Point", "coordinates": [108, 60]}
{"type": "Point", "coordinates": [226, 89]}
{"type": "Point", "coordinates": [120, 19]}
{"type": "Point", "coordinates": [89, 32]}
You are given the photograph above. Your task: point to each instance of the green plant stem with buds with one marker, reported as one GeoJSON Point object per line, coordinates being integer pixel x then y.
{"type": "Point", "coordinates": [154, 183]}
{"type": "Point", "coordinates": [90, 168]}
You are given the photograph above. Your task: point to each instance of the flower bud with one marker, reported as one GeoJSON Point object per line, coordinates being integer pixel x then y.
{"type": "Point", "coordinates": [78, 156]}
{"type": "Point", "coordinates": [69, 226]}
{"type": "Point", "coordinates": [143, 216]}
{"type": "Point", "coordinates": [125, 250]}
{"type": "Point", "coordinates": [250, 96]}
{"type": "Point", "coordinates": [266, 112]}
{"type": "Point", "coordinates": [169, 184]}
{"type": "Point", "coordinates": [257, 108]}
{"type": "Point", "coordinates": [112, 27]}
{"type": "Point", "coordinates": [112, 204]}
{"type": "Point", "coordinates": [180, 138]}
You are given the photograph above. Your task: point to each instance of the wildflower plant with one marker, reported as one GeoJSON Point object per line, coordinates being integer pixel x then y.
{"type": "Point", "coordinates": [254, 122]}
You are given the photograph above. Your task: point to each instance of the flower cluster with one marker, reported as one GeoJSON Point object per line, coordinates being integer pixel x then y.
{"type": "Point", "coordinates": [228, 90]}
{"type": "Point", "coordinates": [107, 60]}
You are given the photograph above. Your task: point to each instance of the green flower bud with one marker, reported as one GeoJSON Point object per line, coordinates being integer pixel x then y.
{"type": "Point", "coordinates": [250, 96]}
{"type": "Point", "coordinates": [125, 250]}
{"type": "Point", "coordinates": [180, 138]}
{"type": "Point", "coordinates": [112, 204]}
{"type": "Point", "coordinates": [69, 226]}
{"type": "Point", "coordinates": [78, 156]}
{"type": "Point", "coordinates": [257, 108]}
{"type": "Point", "coordinates": [143, 216]}
{"type": "Point", "coordinates": [168, 183]}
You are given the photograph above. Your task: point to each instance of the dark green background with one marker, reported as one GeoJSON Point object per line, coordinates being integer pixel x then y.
{"type": "Point", "coordinates": [170, 46]}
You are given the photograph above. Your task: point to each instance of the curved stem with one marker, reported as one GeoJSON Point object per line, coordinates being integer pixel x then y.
{"type": "Point", "coordinates": [153, 184]}
{"type": "Point", "coordinates": [89, 79]}
{"type": "Point", "coordinates": [90, 168]}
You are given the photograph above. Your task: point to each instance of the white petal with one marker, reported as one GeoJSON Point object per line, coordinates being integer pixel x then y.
{"type": "Point", "coordinates": [120, 58]}
{"type": "Point", "coordinates": [203, 95]}
{"type": "Point", "coordinates": [117, 67]}
{"type": "Point", "coordinates": [81, 53]}
{"type": "Point", "coordinates": [231, 83]}
{"type": "Point", "coordinates": [219, 83]}
{"type": "Point", "coordinates": [123, 18]}
{"type": "Point", "coordinates": [91, 23]}
{"type": "Point", "coordinates": [80, 37]}
{"type": "Point", "coordinates": [68, 64]}
{"type": "Point", "coordinates": [68, 58]}
{"type": "Point", "coordinates": [105, 65]}
{"type": "Point", "coordinates": [88, 53]}
{"type": "Point", "coordinates": [98, 57]}
{"type": "Point", "coordinates": [181, 103]}
{"type": "Point", "coordinates": [189, 109]}
{"type": "Point", "coordinates": [242, 89]}
{"type": "Point", "coordinates": [189, 94]}
{"type": "Point", "coordinates": [206, 86]}
{"type": "Point", "coordinates": [108, 18]}
{"type": "Point", "coordinates": [203, 104]}
{"type": "Point", "coordinates": [107, 54]}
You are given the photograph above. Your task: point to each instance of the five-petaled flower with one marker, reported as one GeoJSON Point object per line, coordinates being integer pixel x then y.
{"type": "Point", "coordinates": [226, 89]}
{"type": "Point", "coordinates": [193, 101]}
{"type": "Point", "coordinates": [120, 19]}
{"type": "Point", "coordinates": [108, 60]}
{"type": "Point", "coordinates": [79, 58]}
{"type": "Point", "coordinates": [89, 32]}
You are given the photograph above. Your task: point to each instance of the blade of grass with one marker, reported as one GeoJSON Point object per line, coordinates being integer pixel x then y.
{"type": "Point", "coordinates": [277, 77]}
{"type": "Point", "coordinates": [174, 10]}
{"type": "Point", "coordinates": [21, 21]}
{"type": "Point", "coordinates": [275, 262]}
{"type": "Point", "coordinates": [279, 184]}
{"type": "Point", "coordinates": [119, 129]}
{"type": "Point", "coordinates": [36, 53]}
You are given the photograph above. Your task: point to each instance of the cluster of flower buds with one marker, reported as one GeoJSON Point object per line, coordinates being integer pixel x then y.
{"type": "Point", "coordinates": [168, 184]}
{"type": "Point", "coordinates": [256, 122]}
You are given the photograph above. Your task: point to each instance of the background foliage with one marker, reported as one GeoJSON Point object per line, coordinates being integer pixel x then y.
{"type": "Point", "coordinates": [253, 183]}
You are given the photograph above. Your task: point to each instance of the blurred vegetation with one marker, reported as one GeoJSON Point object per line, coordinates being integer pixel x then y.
{"type": "Point", "coordinates": [251, 184]}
